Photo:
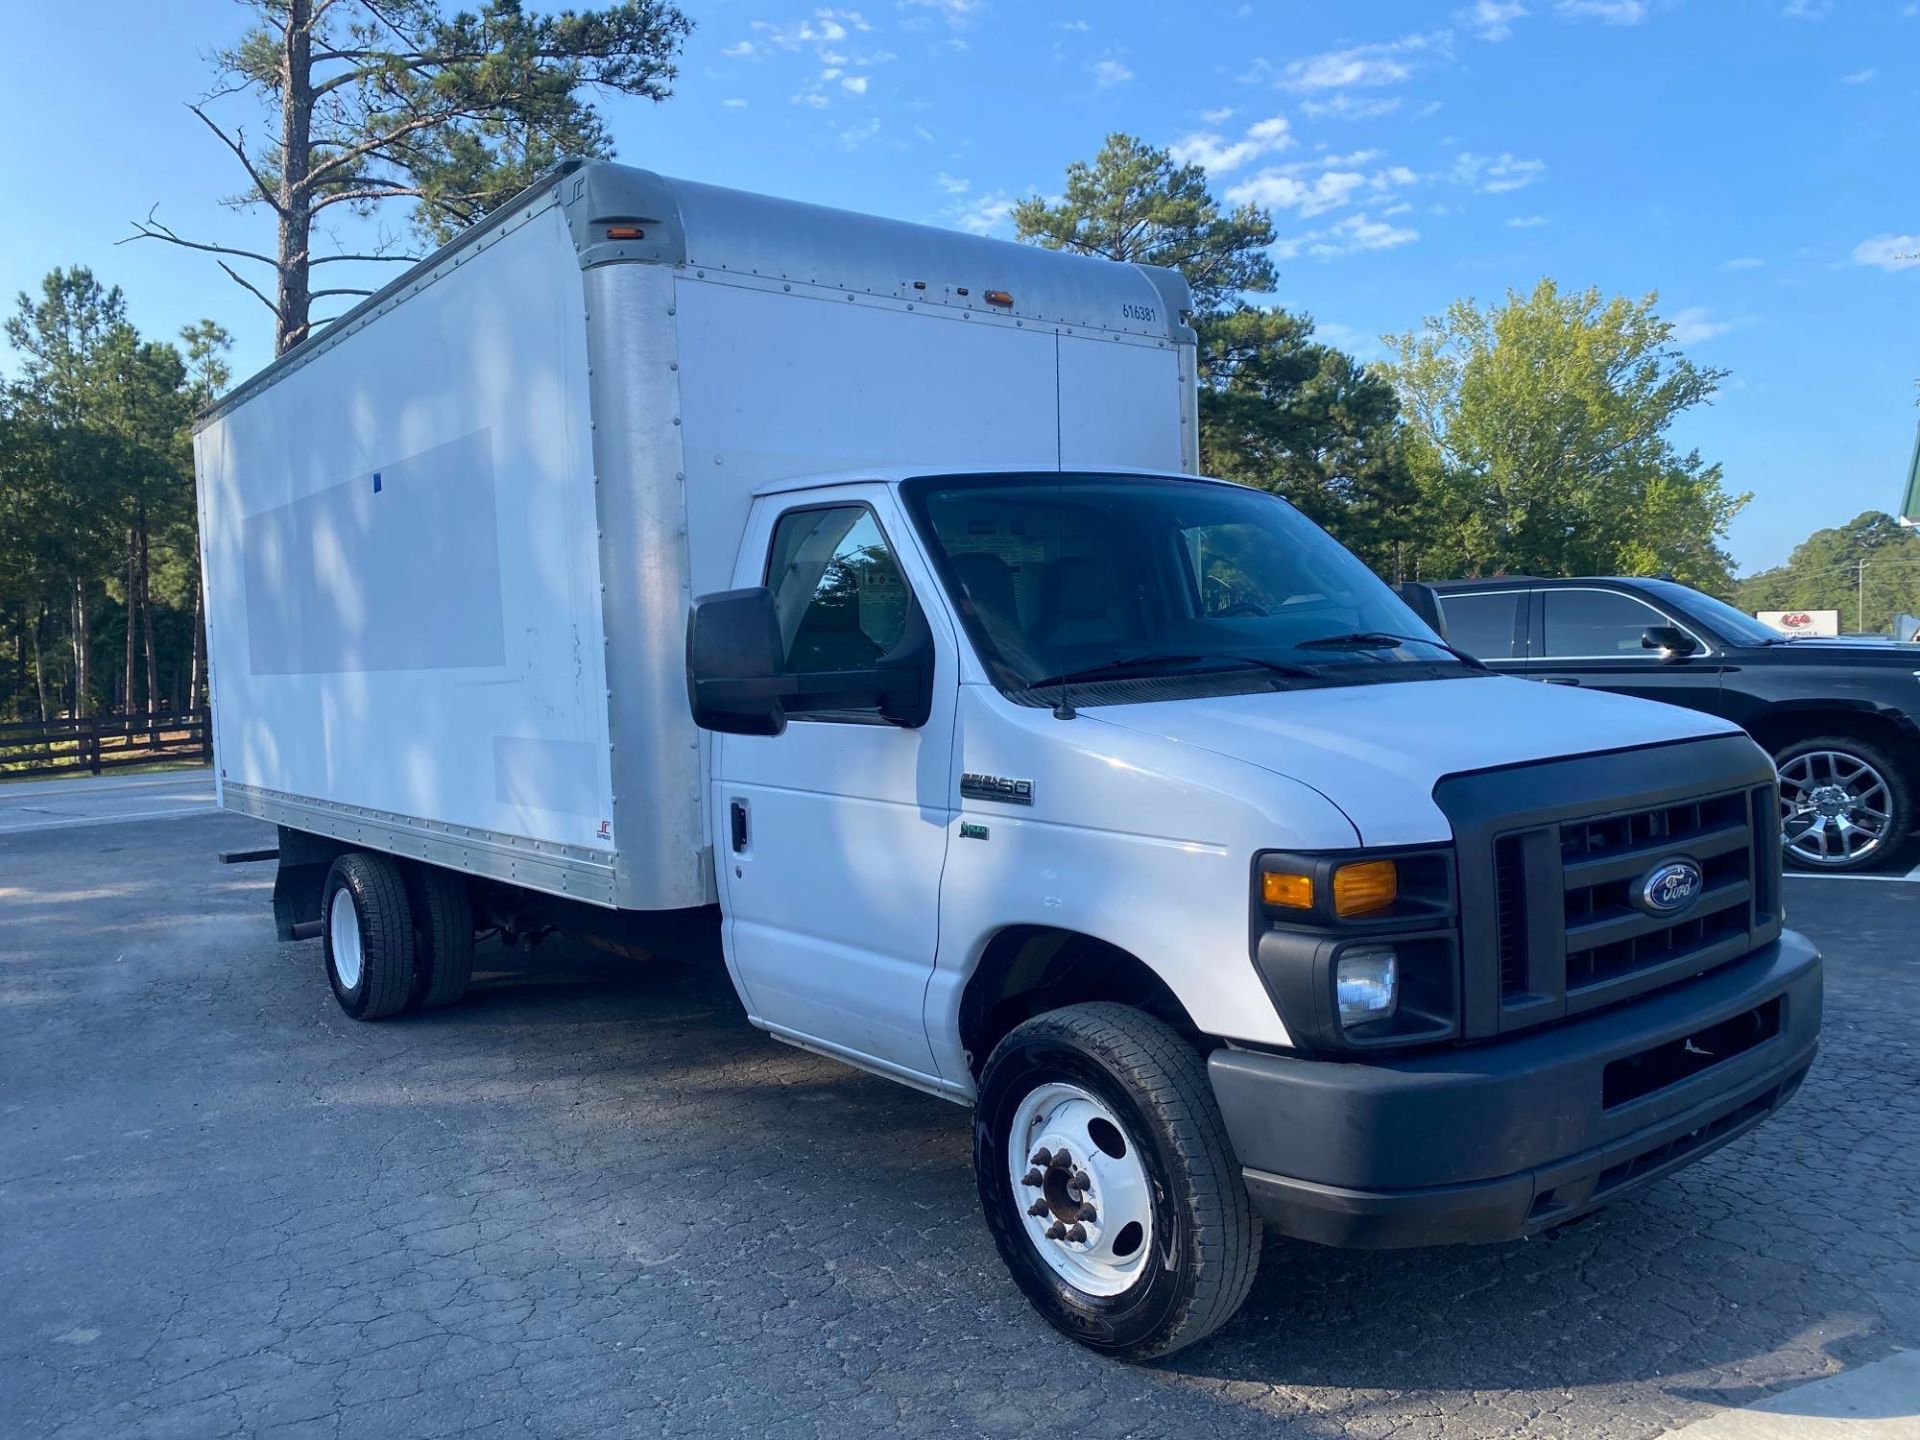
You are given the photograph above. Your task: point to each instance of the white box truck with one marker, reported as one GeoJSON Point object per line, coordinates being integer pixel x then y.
{"type": "Point", "coordinates": [674, 567]}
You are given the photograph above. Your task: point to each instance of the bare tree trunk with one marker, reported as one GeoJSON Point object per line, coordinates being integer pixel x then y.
{"type": "Point", "coordinates": [199, 645]}
{"type": "Point", "coordinates": [39, 666]}
{"type": "Point", "coordinates": [146, 612]}
{"type": "Point", "coordinates": [82, 651]}
{"type": "Point", "coordinates": [133, 590]}
{"type": "Point", "coordinates": [296, 160]}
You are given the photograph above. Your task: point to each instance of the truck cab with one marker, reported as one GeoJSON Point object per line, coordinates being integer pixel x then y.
{"type": "Point", "coordinates": [1015, 772]}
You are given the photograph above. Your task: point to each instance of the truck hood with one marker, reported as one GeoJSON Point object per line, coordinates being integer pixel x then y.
{"type": "Point", "coordinates": [1377, 751]}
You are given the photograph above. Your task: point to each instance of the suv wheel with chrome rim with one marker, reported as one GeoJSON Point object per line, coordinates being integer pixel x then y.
{"type": "Point", "coordinates": [1109, 1183]}
{"type": "Point", "coordinates": [1843, 804]}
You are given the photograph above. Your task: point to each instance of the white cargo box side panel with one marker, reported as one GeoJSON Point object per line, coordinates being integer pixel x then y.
{"type": "Point", "coordinates": [403, 579]}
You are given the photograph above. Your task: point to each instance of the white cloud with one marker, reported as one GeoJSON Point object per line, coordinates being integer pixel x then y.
{"type": "Point", "coordinates": [742, 50]}
{"type": "Point", "coordinates": [1217, 117]}
{"type": "Point", "coordinates": [1613, 12]}
{"type": "Point", "coordinates": [1888, 252]}
{"type": "Point", "coordinates": [1491, 19]}
{"type": "Point", "coordinates": [735, 103]}
{"type": "Point", "coordinates": [1109, 73]}
{"type": "Point", "coordinates": [954, 12]}
{"type": "Point", "coordinates": [1387, 63]}
{"type": "Point", "coordinates": [1807, 9]}
{"type": "Point", "coordinates": [1217, 155]}
{"type": "Point", "coordinates": [1526, 222]}
{"type": "Point", "coordinates": [953, 185]}
{"type": "Point", "coordinates": [1346, 107]}
{"type": "Point", "coordinates": [1744, 262]}
{"type": "Point", "coordinates": [1314, 187]}
{"type": "Point", "coordinates": [1859, 77]}
{"type": "Point", "coordinates": [1354, 234]}
{"type": "Point", "coordinates": [1695, 325]}
{"type": "Point", "coordinates": [985, 215]}
{"type": "Point", "coordinates": [1079, 25]}
{"type": "Point", "coordinates": [826, 27]}
{"type": "Point", "coordinates": [854, 84]}
{"type": "Point", "coordinates": [813, 101]}
{"type": "Point", "coordinates": [1495, 175]}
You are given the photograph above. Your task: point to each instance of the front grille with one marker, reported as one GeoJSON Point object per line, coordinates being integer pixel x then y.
{"type": "Point", "coordinates": [1570, 936]}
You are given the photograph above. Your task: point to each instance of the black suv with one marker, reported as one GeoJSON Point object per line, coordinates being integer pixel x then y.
{"type": "Point", "coordinates": [1842, 721]}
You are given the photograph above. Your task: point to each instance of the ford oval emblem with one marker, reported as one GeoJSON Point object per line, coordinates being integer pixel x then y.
{"type": "Point", "coordinates": [1670, 887]}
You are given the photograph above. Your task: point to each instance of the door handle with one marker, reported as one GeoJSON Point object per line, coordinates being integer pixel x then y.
{"type": "Point", "coordinates": [737, 823]}
{"type": "Point", "coordinates": [1560, 680]}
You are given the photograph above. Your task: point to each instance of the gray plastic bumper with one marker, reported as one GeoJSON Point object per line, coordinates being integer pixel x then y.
{"type": "Point", "coordinates": [1499, 1140]}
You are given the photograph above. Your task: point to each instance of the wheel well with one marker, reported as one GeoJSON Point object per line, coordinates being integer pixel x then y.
{"type": "Point", "coordinates": [1028, 969]}
{"type": "Point", "coordinates": [1780, 729]}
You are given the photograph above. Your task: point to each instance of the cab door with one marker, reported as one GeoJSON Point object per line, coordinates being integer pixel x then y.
{"type": "Point", "coordinates": [831, 837]}
{"type": "Point", "coordinates": [1590, 636]}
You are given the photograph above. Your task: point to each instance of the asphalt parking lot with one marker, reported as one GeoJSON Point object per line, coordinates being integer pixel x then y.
{"type": "Point", "coordinates": [593, 1201]}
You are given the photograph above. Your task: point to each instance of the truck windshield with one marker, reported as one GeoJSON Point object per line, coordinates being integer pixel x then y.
{"type": "Point", "coordinates": [1067, 578]}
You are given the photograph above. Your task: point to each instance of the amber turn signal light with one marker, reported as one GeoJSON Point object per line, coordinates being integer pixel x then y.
{"type": "Point", "coordinates": [1287, 892]}
{"type": "Point", "coordinates": [1364, 887]}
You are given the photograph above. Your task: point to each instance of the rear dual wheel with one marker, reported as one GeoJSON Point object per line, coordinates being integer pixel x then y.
{"type": "Point", "coordinates": [394, 936]}
{"type": "Point", "coordinates": [1109, 1183]}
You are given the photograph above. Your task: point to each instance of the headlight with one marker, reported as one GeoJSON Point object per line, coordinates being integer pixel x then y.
{"type": "Point", "coordinates": [1367, 983]}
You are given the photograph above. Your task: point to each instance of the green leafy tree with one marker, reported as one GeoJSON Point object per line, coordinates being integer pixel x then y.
{"type": "Point", "coordinates": [370, 101]}
{"type": "Point", "coordinates": [96, 498]}
{"type": "Point", "coordinates": [1134, 203]}
{"type": "Point", "coordinates": [1539, 439]}
{"type": "Point", "coordinates": [1867, 569]}
{"type": "Point", "coordinates": [1279, 410]}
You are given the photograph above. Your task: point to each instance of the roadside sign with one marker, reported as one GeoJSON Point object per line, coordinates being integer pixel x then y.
{"type": "Point", "coordinates": [1910, 506]}
{"type": "Point", "coordinates": [1802, 622]}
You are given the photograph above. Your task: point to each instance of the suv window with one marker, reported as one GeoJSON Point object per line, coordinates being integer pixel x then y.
{"type": "Point", "coordinates": [837, 589]}
{"type": "Point", "coordinates": [1597, 624]}
{"type": "Point", "coordinates": [1483, 624]}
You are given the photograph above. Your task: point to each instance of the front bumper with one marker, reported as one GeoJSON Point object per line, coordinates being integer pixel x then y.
{"type": "Point", "coordinates": [1503, 1139]}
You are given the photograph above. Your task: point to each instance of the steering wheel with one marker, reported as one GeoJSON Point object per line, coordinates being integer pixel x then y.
{"type": "Point", "coordinates": [1240, 607]}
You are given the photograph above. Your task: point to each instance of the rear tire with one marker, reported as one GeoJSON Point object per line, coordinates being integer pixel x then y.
{"type": "Point", "coordinates": [1845, 803]}
{"type": "Point", "coordinates": [1170, 1249]}
{"type": "Point", "coordinates": [367, 935]}
{"type": "Point", "coordinates": [443, 936]}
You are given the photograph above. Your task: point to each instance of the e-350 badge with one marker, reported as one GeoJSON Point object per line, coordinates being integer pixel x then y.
{"type": "Point", "coordinates": [996, 787]}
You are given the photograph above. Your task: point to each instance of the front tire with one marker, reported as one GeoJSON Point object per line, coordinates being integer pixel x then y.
{"type": "Point", "coordinates": [1133, 1233]}
{"type": "Point", "coordinates": [1844, 804]}
{"type": "Point", "coordinates": [367, 935]}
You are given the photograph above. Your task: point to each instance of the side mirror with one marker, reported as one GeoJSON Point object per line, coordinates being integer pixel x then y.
{"type": "Point", "coordinates": [1671, 641]}
{"type": "Point", "coordinates": [738, 683]}
{"type": "Point", "coordinates": [1424, 601]}
{"type": "Point", "coordinates": [736, 672]}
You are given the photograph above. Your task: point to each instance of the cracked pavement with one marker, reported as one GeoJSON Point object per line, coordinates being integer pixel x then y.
{"type": "Point", "coordinates": [593, 1201]}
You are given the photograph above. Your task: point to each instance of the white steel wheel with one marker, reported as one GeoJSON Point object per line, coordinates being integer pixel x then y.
{"type": "Point", "coordinates": [366, 935]}
{"type": "Point", "coordinates": [1837, 807]}
{"type": "Point", "coordinates": [349, 956]}
{"type": "Point", "coordinates": [1082, 1186]}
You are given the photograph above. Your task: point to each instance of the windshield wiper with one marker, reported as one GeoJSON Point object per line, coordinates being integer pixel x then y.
{"type": "Point", "coordinates": [1382, 639]}
{"type": "Point", "coordinates": [1148, 664]}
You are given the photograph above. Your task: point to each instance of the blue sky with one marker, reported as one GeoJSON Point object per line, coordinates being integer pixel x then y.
{"type": "Point", "coordinates": [1754, 161]}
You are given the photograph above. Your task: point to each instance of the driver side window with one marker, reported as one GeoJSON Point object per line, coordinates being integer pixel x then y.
{"type": "Point", "coordinates": [837, 590]}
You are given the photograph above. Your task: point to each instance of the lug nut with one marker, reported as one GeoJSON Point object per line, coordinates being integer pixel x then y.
{"type": "Point", "coordinates": [1056, 1231]}
{"type": "Point", "coordinates": [1080, 1181]}
{"type": "Point", "coordinates": [1077, 1233]}
{"type": "Point", "coordinates": [1087, 1213]}
{"type": "Point", "coordinates": [1033, 1178]}
{"type": "Point", "coordinates": [1037, 1209]}
{"type": "Point", "coordinates": [1042, 1157]}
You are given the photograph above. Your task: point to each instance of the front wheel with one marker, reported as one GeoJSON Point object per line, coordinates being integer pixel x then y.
{"type": "Point", "coordinates": [1108, 1181]}
{"type": "Point", "coordinates": [1843, 803]}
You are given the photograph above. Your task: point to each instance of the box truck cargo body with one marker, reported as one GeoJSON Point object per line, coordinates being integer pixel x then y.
{"type": "Point", "coordinates": [675, 567]}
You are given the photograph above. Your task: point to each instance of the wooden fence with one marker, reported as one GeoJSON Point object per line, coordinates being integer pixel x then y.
{"type": "Point", "coordinates": [103, 742]}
